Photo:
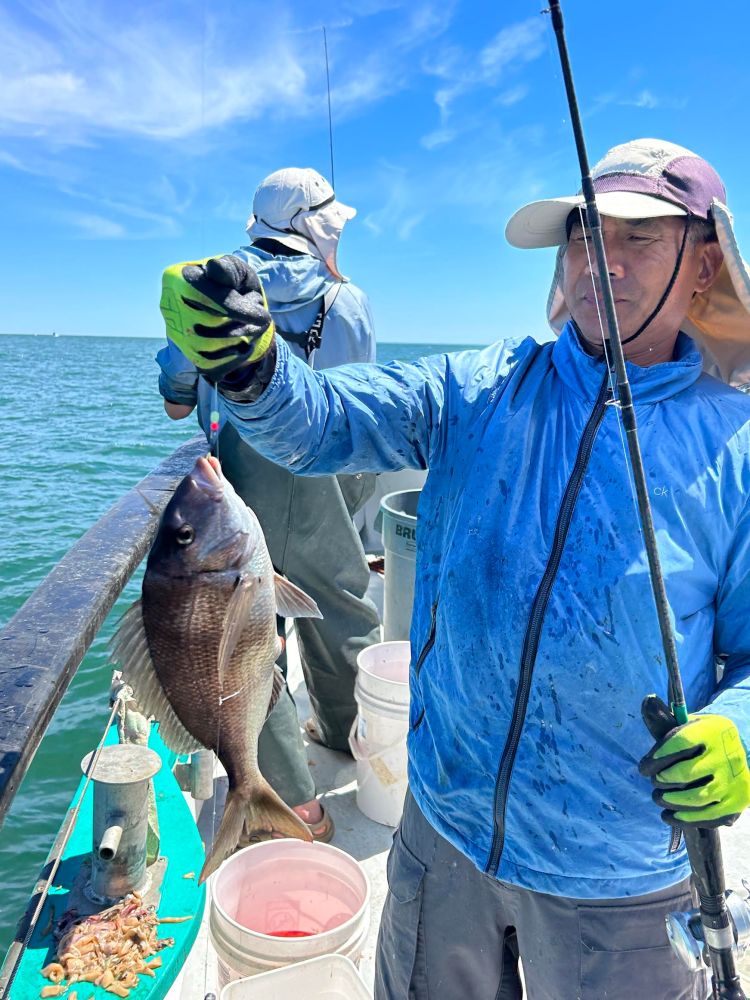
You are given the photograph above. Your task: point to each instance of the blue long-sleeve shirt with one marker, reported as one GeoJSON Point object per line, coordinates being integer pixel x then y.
{"type": "Point", "coordinates": [534, 633]}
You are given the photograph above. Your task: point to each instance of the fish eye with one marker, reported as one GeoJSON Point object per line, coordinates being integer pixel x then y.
{"type": "Point", "coordinates": [185, 534]}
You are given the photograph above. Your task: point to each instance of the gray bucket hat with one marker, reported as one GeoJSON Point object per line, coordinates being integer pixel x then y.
{"type": "Point", "coordinates": [646, 179]}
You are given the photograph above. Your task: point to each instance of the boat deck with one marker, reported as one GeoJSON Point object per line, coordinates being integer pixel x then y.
{"type": "Point", "coordinates": [368, 842]}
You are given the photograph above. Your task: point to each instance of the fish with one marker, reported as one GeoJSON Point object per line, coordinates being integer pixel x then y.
{"type": "Point", "coordinates": [199, 647]}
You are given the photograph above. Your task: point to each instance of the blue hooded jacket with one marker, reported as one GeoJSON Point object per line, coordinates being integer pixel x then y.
{"type": "Point", "coordinates": [294, 287]}
{"type": "Point", "coordinates": [534, 635]}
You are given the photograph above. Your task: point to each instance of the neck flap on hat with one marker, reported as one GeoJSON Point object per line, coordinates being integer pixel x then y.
{"type": "Point", "coordinates": [315, 232]}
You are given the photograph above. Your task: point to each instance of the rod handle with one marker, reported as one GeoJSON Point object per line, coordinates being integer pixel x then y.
{"type": "Point", "coordinates": [657, 716]}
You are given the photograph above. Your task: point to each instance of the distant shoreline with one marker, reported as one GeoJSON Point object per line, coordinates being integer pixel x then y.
{"type": "Point", "coordinates": [156, 337]}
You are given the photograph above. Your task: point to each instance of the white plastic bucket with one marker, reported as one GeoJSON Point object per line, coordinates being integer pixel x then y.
{"type": "Point", "coordinates": [399, 525]}
{"type": "Point", "coordinates": [331, 977]}
{"type": "Point", "coordinates": [281, 887]}
{"type": "Point", "coordinates": [378, 736]}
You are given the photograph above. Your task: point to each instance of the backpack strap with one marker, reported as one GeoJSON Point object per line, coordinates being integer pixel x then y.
{"type": "Point", "coordinates": [310, 340]}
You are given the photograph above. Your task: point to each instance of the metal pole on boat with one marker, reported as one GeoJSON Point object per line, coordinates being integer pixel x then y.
{"type": "Point", "coordinates": [121, 783]}
{"type": "Point", "coordinates": [703, 846]}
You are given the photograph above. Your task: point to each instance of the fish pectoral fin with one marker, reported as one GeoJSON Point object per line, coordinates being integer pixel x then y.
{"type": "Point", "coordinates": [129, 647]}
{"type": "Point", "coordinates": [235, 619]}
{"type": "Point", "coordinates": [279, 683]}
{"type": "Point", "coordinates": [292, 602]}
{"type": "Point", "coordinates": [247, 814]}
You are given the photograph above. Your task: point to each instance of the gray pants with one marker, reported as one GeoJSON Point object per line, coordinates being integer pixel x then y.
{"type": "Point", "coordinates": [450, 932]}
{"type": "Point", "coordinates": [307, 523]}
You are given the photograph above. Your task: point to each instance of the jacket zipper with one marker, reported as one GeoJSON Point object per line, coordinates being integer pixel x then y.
{"type": "Point", "coordinates": [430, 640]}
{"type": "Point", "coordinates": [423, 655]}
{"type": "Point", "coordinates": [536, 620]}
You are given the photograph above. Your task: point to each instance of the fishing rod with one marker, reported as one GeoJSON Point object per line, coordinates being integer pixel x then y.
{"type": "Point", "coordinates": [330, 120]}
{"type": "Point", "coordinates": [703, 846]}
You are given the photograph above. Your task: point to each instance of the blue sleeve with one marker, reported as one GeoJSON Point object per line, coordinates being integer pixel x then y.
{"type": "Point", "coordinates": [356, 418]}
{"type": "Point", "coordinates": [732, 634]}
{"type": "Point", "coordinates": [178, 379]}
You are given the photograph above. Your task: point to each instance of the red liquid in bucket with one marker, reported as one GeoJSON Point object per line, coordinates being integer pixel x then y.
{"type": "Point", "coordinates": [295, 901]}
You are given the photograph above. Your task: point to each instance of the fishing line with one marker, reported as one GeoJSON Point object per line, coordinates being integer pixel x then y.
{"type": "Point", "coordinates": [73, 819]}
{"type": "Point", "coordinates": [213, 449]}
{"type": "Point", "coordinates": [206, 994]}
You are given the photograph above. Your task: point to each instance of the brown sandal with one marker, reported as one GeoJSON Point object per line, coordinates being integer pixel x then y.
{"type": "Point", "coordinates": [324, 829]}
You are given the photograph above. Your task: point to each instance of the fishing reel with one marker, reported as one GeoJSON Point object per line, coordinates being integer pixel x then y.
{"type": "Point", "coordinates": [686, 932]}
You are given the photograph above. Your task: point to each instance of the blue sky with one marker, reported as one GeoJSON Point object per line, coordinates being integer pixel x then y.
{"type": "Point", "coordinates": [133, 135]}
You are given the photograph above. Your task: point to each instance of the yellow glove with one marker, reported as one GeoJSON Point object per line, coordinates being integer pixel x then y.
{"type": "Point", "coordinates": [216, 313]}
{"type": "Point", "coordinates": [699, 772]}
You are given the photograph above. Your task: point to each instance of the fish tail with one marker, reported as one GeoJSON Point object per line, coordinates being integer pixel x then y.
{"type": "Point", "coordinates": [260, 811]}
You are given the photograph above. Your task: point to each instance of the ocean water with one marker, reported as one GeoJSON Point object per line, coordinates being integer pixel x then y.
{"type": "Point", "coordinates": [82, 423]}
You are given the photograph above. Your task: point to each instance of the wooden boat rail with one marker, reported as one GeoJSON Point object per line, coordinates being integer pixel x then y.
{"type": "Point", "coordinates": [44, 643]}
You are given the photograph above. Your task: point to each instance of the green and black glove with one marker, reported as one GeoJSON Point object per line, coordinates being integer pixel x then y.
{"type": "Point", "coordinates": [216, 313]}
{"type": "Point", "coordinates": [699, 772]}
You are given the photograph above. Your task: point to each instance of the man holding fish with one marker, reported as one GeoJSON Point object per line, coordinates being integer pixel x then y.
{"type": "Point", "coordinates": [528, 831]}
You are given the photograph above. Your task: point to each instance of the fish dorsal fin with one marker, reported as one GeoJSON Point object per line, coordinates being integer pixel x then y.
{"type": "Point", "coordinates": [235, 620]}
{"type": "Point", "coordinates": [291, 602]}
{"type": "Point", "coordinates": [129, 647]}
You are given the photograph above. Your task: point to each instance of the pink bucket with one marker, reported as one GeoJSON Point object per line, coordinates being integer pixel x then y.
{"type": "Point", "coordinates": [284, 901]}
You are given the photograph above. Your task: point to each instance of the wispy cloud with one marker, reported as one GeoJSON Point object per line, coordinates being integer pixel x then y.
{"type": "Point", "coordinates": [465, 72]}
{"type": "Point", "coordinates": [94, 227]}
{"type": "Point", "coordinates": [648, 100]}
{"type": "Point", "coordinates": [39, 163]}
{"type": "Point", "coordinates": [397, 215]}
{"type": "Point", "coordinates": [486, 182]}
{"type": "Point", "coordinates": [377, 77]}
{"type": "Point", "coordinates": [440, 137]}
{"type": "Point", "coordinates": [79, 69]}
{"type": "Point", "coordinates": [367, 8]}
{"type": "Point", "coordinates": [512, 96]}
{"type": "Point", "coordinates": [120, 217]}
{"type": "Point", "coordinates": [8, 160]}
{"type": "Point", "coordinates": [644, 98]}
{"type": "Point", "coordinates": [363, 76]}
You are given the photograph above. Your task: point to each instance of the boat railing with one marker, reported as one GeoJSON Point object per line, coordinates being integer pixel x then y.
{"type": "Point", "coordinates": [44, 643]}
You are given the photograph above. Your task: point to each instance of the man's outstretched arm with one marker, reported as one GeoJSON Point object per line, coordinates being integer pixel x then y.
{"type": "Point", "coordinates": [355, 418]}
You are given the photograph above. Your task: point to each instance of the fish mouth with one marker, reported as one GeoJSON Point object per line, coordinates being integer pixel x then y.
{"type": "Point", "coordinates": [208, 478]}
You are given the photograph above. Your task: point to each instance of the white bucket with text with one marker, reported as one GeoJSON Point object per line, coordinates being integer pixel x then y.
{"type": "Point", "coordinates": [378, 736]}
